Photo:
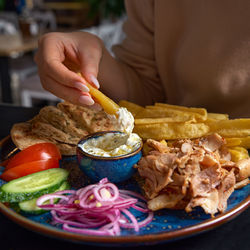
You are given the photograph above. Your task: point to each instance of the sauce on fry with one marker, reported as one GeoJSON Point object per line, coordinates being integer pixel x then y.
{"type": "Point", "coordinates": [124, 120]}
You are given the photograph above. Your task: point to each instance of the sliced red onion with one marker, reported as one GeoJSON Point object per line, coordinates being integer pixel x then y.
{"type": "Point", "coordinates": [66, 191]}
{"type": "Point", "coordinates": [131, 193]}
{"type": "Point", "coordinates": [107, 188]}
{"type": "Point", "coordinates": [49, 197]}
{"type": "Point", "coordinates": [99, 209]}
{"type": "Point", "coordinates": [132, 218]}
{"type": "Point", "coordinates": [125, 224]}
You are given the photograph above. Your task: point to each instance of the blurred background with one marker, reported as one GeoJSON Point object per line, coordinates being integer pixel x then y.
{"type": "Point", "coordinates": [22, 22]}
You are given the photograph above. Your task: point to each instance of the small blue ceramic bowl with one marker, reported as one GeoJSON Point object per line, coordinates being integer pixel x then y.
{"type": "Point", "coordinates": [115, 168]}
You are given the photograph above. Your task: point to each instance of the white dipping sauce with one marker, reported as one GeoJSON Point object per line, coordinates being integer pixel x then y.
{"type": "Point", "coordinates": [111, 144]}
{"type": "Point", "coordinates": [124, 120]}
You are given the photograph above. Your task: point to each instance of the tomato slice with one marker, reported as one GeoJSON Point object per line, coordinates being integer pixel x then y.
{"type": "Point", "coordinates": [29, 168]}
{"type": "Point", "coordinates": [36, 152]}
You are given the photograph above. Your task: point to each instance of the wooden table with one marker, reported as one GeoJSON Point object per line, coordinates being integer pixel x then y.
{"type": "Point", "coordinates": [12, 46]}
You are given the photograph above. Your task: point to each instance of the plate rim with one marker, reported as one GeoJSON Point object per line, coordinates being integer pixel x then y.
{"type": "Point", "coordinates": [200, 227]}
{"type": "Point", "coordinates": [153, 237]}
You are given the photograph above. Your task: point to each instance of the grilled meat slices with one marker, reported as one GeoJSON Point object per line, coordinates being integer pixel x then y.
{"type": "Point", "coordinates": [190, 173]}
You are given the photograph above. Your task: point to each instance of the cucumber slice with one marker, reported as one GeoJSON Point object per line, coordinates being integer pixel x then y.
{"type": "Point", "coordinates": [30, 206]}
{"type": "Point", "coordinates": [33, 185]}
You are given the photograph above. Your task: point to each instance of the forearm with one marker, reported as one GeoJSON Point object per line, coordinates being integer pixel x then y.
{"type": "Point", "coordinates": [112, 78]}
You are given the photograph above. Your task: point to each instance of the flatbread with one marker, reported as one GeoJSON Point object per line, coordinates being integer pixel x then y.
{"type": "Point", "coordinates": [60, 120]}
{"type": "Point", "coordinates": [47, 130]}
{"type": "Point", "coordinates": [93, 120]}
{"type": "Point", "coordinates": [63, 125]}
{"type": "Point", "coordinates": [23, 137]}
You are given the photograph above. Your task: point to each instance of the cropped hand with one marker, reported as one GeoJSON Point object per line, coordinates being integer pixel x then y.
{"type": "Point", "coordinates": [60, 56]}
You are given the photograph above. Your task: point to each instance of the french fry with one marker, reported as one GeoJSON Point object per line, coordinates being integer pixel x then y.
{"type": "Point", "coordinates": [161, 120]}
{"type": "Point", "coordinates": [131, 107]}
{"type": "Point", "coordinates": [232, 142]}
{"type": "Point", "coordinates": [230, 128]}
{"type": "Point", "coordinates": [108, 105]}
{"type": "Point", "coordinates": [238, 153]}
{"type": "Point", "coordinates": [165, 113]}
{"type": "Point", "coordinates": [243, 142]}
{"type": "Point", "coordinates": [217, 116]}
{"type": "Point", "coordinates": [164, 142]}
{"type": "Point", "coordinates": [171, 131]}
{"type": "Point", "coordinates": [200, 113]}
{"type": "Point", "coordinates": [170, 112]}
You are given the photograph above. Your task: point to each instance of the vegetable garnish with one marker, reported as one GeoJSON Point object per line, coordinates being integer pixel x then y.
{"type": "Point", "coordinates": [35, 158]}
{"type": "Point", "coordinates": [33, 185]}
{"type": "Point", "coordinates": [29, 168]}
{"type": "Point", "coordinates": [35, 152]}
{"type": "Point", "coordinates": [97, 209]}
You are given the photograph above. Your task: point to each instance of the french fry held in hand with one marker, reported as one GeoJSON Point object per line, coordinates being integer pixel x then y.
{"type": "Point", "coordinates": [108, 105]}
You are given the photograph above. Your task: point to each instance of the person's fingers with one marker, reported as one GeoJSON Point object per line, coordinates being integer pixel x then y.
{"type": "Point", "coordinates": [59, 58]}
{"type": "Point", "coordinates": [62, 74]}
{"type": "Point", "coordinates": [96, 106]}
{"type": "Point", "coordinates": [89, 61]}
{"type": "Point", "coordinates": [85, 99]}
{"type": "Point", "coordinates": [50, 59]}
{"type": "Point", "coordinates": [82, 87]}
{"type": "Point", "coordinates": [70, 94]}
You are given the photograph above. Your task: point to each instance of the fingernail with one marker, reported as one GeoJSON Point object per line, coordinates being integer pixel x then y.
{"type": "Point", "coordinates": [86, 100]}
{"type": "Point", "coordinates": [81, 86]}
{"type": "Point", "coordinates": [96, 106]}
{"type": "Point", "coordinates": [95, 81]}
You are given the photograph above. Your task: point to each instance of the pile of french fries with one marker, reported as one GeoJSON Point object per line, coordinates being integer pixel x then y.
{"type": "Point", "coordinates": [171, 122]}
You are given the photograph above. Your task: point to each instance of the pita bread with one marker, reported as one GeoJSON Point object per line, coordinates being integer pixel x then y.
{"type": "Point", "coordinates": [49, 131]}
{"type": "Point", "coordinates": [93, 120]}
{"type": "Point", "coordinates": [23, 137]}
{"type": "Point", "coordinates": [63, 125]}
{"type": "Point", "coordinates": [60, 120]}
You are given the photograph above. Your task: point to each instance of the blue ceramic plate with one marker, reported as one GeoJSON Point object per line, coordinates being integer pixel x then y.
{"type": "Point", "coordinates": [167, 225]}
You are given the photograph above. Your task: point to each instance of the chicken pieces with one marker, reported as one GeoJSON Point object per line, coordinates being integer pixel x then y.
{"type": "Point", "coordinates": [190, 173]}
